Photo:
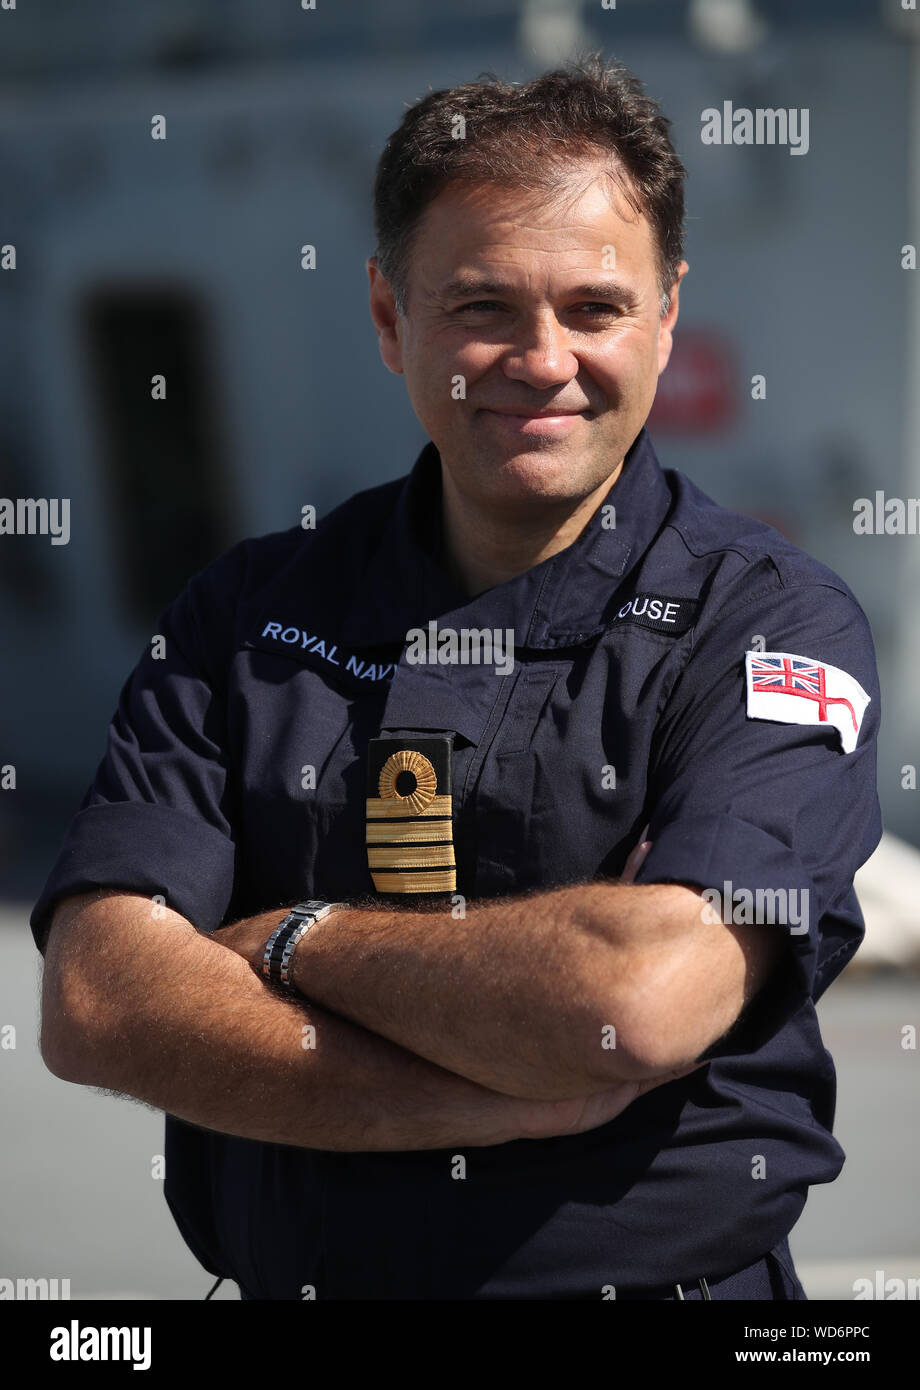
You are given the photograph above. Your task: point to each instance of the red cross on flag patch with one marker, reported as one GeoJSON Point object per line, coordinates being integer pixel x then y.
{"type": "Point", "coordinates": [798, 690]}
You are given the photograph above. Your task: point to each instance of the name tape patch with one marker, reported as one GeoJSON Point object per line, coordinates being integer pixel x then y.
{"type": "Point", "coordinates": [791, 689]}
{"type": "Point", "coordinates": [659, 613]}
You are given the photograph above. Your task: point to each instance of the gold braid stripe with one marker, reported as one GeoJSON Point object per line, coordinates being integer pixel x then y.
{"type": "Point", "coordinates": [395, 857]}
{"type": "Point", "coordinates": [408, 832]}
{"type": "Point", "coordinates": [443, 881]}
{"type": "Point", "coordinates": [399, 806]}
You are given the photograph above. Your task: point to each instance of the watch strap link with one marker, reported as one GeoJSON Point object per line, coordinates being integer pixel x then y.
{"type": "Point", "coordinates": [279, 948]}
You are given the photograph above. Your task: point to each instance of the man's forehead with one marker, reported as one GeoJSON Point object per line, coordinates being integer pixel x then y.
{"type": "Point", "coordinates": [569, 205]}
{"type": "Point", "coordinates": [479, 232]}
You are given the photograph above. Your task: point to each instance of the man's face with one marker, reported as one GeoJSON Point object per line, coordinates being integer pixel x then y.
{"type": "Point", "coordinates": [532, 339]}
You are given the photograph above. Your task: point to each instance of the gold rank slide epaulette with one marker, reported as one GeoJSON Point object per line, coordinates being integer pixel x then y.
{"type": "Point", "coordinates": [410, 841]}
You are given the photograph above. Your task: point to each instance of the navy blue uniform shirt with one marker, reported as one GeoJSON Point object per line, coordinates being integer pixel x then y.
{"type": "Point", "coordinates": [628, 703]}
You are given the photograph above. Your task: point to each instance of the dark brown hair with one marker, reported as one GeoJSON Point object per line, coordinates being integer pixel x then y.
{"type": "Point", "coordinates": [527, 137]}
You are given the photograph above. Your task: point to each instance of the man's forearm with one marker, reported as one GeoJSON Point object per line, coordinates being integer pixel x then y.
{"type": "Point", "coordinates": [512, 995]}
{"type": "Point", "coordinates": [143, 1004]}
{"type": "Point", "coordinates": [138, 1001]}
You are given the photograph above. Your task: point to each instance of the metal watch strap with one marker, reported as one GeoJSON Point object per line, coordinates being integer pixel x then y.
{"type": "Point", "coordinates": [279, 948]}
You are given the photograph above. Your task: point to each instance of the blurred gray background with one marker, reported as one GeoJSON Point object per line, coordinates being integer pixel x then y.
{"type": "Point", "coordinates": [182, 256]}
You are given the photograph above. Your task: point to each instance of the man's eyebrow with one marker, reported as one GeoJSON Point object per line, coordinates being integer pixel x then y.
{"type": "Point", "coordinates": [474, 287]}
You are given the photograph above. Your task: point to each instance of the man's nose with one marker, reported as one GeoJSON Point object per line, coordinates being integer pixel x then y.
{"type": "Point", "coordinates": [540, 354]}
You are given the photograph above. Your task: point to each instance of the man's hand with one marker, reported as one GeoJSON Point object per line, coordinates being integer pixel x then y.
{"type": "Point", "coordinates": [550, 1118]}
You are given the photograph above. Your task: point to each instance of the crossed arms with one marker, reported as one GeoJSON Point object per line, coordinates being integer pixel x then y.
{"type": "Point", "coordinates": [415, 1030]}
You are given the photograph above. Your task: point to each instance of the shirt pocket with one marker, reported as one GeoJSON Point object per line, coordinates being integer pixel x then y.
{"type": "Point", "coordinates": [511, 800]}
{"type": "Point", "coordinates": [531, 695]}
{"type": "Point", "coordinates": [553, 805]}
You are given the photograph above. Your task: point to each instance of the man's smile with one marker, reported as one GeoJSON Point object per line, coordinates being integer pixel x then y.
{"type": "Point", "coordinates": [535, 423]}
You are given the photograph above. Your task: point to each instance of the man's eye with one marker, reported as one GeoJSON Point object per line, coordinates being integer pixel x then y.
{"type": "Point", "coordinates": [594, 310]}
{"type": "Point", "coordinates": [479, 304]}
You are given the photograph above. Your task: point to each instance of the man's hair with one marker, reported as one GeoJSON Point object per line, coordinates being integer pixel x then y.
{"type": "Point", "coordinates": [527, 137]}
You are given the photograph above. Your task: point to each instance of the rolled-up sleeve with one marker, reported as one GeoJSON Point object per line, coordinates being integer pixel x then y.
{"type": "Point", "coordinates": [773, 818]}
{"type": "Point", "coordinates": [156, 819]}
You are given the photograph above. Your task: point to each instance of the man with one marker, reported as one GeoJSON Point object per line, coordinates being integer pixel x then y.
{"type": "Point", "coordinates": [530, 1051]}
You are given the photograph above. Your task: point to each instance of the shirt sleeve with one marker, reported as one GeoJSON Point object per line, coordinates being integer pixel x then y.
{"type": "Point", "coordinates": [775, 818]}
{"type": "Point", "coordinates": [156, 819]}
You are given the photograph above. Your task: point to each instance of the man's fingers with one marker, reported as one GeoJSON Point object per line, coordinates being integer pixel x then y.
{"type": "Point", "coordinates": [652, 1082]}
{"type": "Point", "coordinates": [603, 1106]}
{"type": "Point", "coordinates": [549, 1118]}
{"type": "Point", "coordinates": [636, 856]}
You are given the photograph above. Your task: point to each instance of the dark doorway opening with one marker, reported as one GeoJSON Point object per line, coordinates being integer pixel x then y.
{"type": "Point", "coordinates": [161, 459]}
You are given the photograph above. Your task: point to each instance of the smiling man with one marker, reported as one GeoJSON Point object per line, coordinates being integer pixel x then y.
{"type": "Point", "coordinates": [430, 1012]}
{"type": "Point", "coordinates": [557, 356]}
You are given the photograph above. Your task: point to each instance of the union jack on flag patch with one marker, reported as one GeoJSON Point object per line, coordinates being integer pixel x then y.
{"type": "Point", "coordinates": [799, 690]}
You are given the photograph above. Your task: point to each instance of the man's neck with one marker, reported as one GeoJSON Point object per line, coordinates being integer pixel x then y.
{"type": "Point", "coordinates": [484, 548]}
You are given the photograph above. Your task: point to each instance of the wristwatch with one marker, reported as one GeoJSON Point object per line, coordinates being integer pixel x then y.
{"type": "Point", "coordinates": [279, 948]}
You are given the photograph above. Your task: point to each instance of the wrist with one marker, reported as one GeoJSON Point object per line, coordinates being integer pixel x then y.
{"type": "Point", "coordinates": [305, 958]}
{"type": "Point", "coordinates": [277, 965]}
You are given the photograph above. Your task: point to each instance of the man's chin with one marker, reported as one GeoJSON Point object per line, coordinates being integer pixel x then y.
{"type": "Point", "coordinates": [506, 472]}
{"type": "Point", "coordinates": [531, 474]}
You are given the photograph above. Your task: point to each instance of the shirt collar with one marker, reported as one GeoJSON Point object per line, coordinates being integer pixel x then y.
{"type": "Point", "coordinates": [560, 601]}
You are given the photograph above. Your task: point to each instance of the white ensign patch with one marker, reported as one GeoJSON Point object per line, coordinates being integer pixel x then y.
{"type": "Point", "coordinates": [799, 690]}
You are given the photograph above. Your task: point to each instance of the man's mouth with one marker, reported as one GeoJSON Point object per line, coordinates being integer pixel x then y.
{"type": "Point", "coordinates": [535, 422]}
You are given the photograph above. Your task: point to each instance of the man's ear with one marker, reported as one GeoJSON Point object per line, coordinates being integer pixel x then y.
{"type": "Point", "coordinates": [385, 317]}
{"type": "Point", "coordinates": [668, 320]}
